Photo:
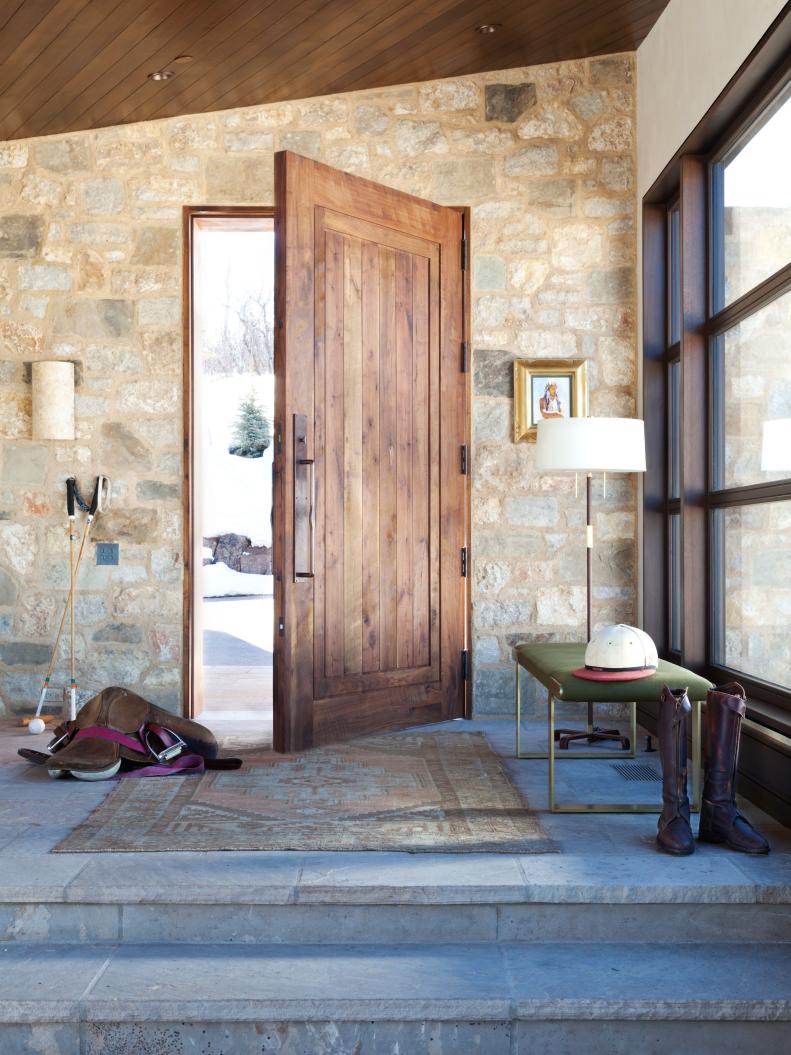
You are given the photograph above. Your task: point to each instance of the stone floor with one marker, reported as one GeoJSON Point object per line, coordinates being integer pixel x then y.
{"type": "Point", "coordinates": [605, 946]}
{"type": "Point", "coordinates": [37, 812]}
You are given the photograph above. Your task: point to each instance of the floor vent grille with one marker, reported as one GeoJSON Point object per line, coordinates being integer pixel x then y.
{"type": "Point", "coordinates": [639, 771]}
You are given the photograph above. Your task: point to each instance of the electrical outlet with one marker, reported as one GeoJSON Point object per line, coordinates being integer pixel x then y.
{"type": "Point", "coordinates": [106, 553]}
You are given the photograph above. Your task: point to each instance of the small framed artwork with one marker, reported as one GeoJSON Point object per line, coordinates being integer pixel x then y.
{"type": "Point", "coordinates": [548, 388]}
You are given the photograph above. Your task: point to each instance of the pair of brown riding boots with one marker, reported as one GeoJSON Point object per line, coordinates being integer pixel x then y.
{"type": "Point", "coordinates": [720, 820]}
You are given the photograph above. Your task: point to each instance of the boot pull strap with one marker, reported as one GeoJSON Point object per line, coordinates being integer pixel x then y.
{"type": "Point", "coordinates": [734, 703]}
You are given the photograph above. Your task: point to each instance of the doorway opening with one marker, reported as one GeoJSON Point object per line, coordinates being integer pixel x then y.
{"type": "Point", "coordinates": [232, 389]}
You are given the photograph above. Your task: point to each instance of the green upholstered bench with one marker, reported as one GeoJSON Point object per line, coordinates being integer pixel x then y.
{"type": "Point", "coordinates": [553, 666]}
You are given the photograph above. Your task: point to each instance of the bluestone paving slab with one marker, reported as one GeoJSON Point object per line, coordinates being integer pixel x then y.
{"type": "Point", "coordinates": [34, 877]}
{"type": "Point", "coordinates": [293, 1038]}
{"type": "Point", "coordinates": [248, 878]}
{"type": "Point", "coordinates": [625, 981]}
{"type": "Point", "coordinates": [771, 875]}
{"type": "Point", "coordinates": [644, 1037]}
{"type": "Point", "coordinates": [59, 922]}
{"type": "Point", "coordinates": [540, 981]}
{"type": "Point", "coordinates": [682, 922]}
{"type": "Point", "coordinates": [237, 982]}
{"type": "Point", "coordinates": [623, 878]}
{"type": "Point", "coordinates": [40, 983]}
{"type": "Point", "coordinates": [310, 923]}
{"type": "Point", "coordinates": [51, 1038]}
{"type": "Point", "coordinates": [410, 878]}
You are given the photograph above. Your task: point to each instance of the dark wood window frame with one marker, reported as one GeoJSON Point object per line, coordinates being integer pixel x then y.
{"type": "Point", "coordinates": [761, 82]}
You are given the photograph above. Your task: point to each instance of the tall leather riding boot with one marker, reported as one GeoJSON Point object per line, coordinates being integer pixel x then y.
{"type": "Point", "coordinates": [720, 820]}
{"type": "Point", "coordinates": [674, 833]}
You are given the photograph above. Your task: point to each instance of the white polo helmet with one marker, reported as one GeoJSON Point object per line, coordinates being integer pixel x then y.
{"type": "Point", "coordinates": [619, 653]}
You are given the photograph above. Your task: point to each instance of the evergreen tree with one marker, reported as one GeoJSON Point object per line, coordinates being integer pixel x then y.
{"type": "Point", "coordinates": [252, 433]}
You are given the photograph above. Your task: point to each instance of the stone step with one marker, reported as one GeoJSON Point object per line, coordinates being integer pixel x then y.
{"type": "Point", "coordinates": [385, 898]}
{"type": "Point", "coordinates": [497, 999]}
{"type": "Point", "coordinates": [321, 923]}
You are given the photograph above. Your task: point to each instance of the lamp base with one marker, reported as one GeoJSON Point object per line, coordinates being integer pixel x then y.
{"type": "Point", "coordinates": [593, 734]}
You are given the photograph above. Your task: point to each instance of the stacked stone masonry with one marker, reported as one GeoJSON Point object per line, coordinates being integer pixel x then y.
{"type": "Point", "coordinates": [90, 270]}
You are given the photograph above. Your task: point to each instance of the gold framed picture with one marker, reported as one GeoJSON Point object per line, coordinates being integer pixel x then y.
{"type": "Point", "coordinates": [548, 388]}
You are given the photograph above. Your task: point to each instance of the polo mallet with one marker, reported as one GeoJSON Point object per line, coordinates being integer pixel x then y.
{"type": "Point", "coordinates": [99, 504]}
{"type": "Point", "coordinates": [71, 486]}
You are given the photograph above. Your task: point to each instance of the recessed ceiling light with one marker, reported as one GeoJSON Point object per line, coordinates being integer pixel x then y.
{"type": "Point", "coordinates": [182, 60]}
{"type": "Point", "coordinates": [487, 27]}
{"type": "Point", "coordinates": [161, 75]}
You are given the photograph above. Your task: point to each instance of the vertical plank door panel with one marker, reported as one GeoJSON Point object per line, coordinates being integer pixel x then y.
{"type": "Point", "coordinates": [333, 455]}
{"type": "Point", "coordinates": [404, 384]}
{"type": "Point", "coordinates": [421, 470]}
{"type": "Point", "coordinates": [372, 360]}
{"type": "Point", "coordinates": [388, 484]}
{"type": "Point", "coordinates": [371, 618]}
{"type": "Point", "coordinates": [352, 459]}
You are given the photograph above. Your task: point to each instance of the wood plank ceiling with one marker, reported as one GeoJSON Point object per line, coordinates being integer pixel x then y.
{"type": "Point", "coordinates": [76, 64]}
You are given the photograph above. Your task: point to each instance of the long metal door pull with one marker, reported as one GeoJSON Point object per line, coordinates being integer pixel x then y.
{"type": "Point", "coordinates": [304, 502]}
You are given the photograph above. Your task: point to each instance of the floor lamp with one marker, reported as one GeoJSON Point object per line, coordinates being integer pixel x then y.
{"type": "Point", "coordinates": [590, 445]}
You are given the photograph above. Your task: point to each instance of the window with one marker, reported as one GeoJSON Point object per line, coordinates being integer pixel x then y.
{"type": "Point", "coordinates": [751, 194]}
{"type": "Point", "coordinates": [750, 369]}
{"type": "Point", "coordinates": [717, 343]}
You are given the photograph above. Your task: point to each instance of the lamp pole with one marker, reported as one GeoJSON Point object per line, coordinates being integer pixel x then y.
{"type": "Point", "coordinates": [589, 572]}
{"type": "Point", "coordinates": [589, 550]}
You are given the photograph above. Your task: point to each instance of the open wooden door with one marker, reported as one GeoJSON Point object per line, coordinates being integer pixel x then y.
{"type": "Point", "coordinates": [370, 458]}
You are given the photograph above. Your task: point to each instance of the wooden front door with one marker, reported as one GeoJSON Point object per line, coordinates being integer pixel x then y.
{"type": "Point", "coordinates": [370, 489]}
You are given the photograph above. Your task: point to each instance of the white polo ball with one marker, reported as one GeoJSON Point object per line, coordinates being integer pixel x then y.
{"type": "Point", "coordinates": [35, 726]}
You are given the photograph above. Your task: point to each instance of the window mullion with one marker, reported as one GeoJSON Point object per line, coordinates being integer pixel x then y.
{"type": "Point", "coordinates": [693, 414]}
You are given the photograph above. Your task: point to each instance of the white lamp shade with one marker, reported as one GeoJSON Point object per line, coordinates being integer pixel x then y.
{"type": "Point", "coordinates": [53, 400]}
{"type": "Point", "coordinates": [776, 446]}
{"type": "Point", "coordinates": [589, 445]}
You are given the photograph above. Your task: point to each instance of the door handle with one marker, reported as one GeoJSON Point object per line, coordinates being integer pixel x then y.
{"type": "Point", "coordinates": [304, 502]}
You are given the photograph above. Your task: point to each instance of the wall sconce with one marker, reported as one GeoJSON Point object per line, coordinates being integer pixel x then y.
{"type": "Point", "coordinates": [53, 400]}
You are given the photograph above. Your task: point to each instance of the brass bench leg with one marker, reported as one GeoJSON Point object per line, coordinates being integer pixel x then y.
{"type": "Point", "coordinates": [631, 753]}
{"type": "Point", "coordinates": [551, 752]}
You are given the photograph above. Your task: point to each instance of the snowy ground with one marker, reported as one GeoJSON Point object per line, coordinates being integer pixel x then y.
{"type": "Point", "coordinates": [221, 581]}
{"type": "Point", "coordinates": [237, 492]}
{"type": "Point", "coordinates": [248, 619]}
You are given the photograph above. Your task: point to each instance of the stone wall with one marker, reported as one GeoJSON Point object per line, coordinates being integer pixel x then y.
{"type": "Point", "coordinates": [90, 228]}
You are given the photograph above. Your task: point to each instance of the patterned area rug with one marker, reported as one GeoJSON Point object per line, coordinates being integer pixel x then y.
{"type": "Point", "coordinates": [420, 792]}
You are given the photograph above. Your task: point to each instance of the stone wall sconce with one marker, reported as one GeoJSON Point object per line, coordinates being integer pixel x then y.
{"type": "Point", "coordinates": [53, 385]}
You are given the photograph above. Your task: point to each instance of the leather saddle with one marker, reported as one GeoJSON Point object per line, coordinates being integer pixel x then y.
{"type": "Point", "coordinates": [118, 731]}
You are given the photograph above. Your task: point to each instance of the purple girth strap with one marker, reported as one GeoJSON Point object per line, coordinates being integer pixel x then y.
{"type": "Point", "coordinates": [101, 732]}
{"type": "Point", "coordinates": [183, 763]}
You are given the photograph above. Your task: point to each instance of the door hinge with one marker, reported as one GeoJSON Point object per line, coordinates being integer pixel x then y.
{"type": "Point", "coordinates": [281, 627]}
{"type": "Point", "coordinates": [279, 438]}
{"type": "Point", "coordinates": [464, 459]}
{"type": "Point", "coordinates": [464, 562]}
{"type": "Point", "coordinates": [465, 664]}
{"type": "Point", "coordinates": [465, 254]}
{"type": "Point", "coordinates": [465, 356]}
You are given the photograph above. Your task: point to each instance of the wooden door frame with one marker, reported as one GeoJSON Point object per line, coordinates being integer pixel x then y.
{"type": "Point", "coordinates": [189, 214]}
{"type": "Point", "coordinates": [466, 329]}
